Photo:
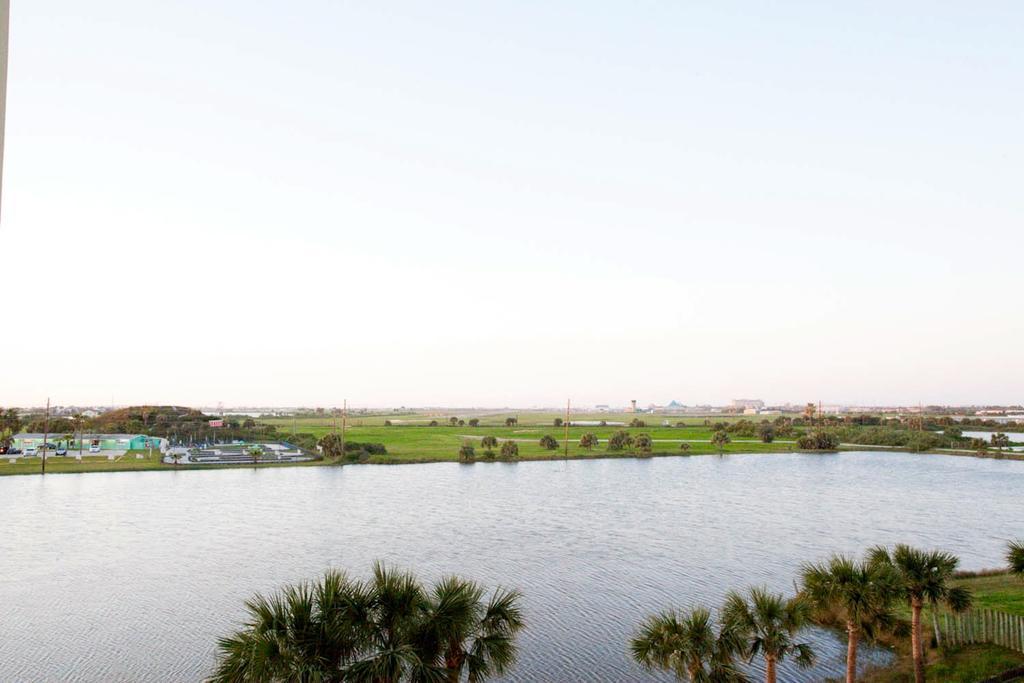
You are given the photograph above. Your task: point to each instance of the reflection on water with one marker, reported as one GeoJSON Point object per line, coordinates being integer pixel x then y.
{"type": "Point", "coordinates": [132, 576]}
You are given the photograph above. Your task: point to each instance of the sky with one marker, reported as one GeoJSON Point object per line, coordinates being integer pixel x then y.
{"type": "Point", "coordinates": [509, 204]}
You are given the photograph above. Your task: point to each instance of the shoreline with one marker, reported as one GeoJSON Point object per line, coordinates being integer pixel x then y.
{"type": "Point", "coordinates": [150, 466]}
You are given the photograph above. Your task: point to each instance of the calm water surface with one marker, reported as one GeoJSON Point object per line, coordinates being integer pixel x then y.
{"type": "Point", "coordinates": [132, 576]}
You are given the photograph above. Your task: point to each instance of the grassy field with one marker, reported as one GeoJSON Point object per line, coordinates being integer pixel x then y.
{"type": "Point", "coordinates": [129, 462]}
{"type": "Point", "coordinates": [413, 441]}
{"type": "Point", "coordinates": [969, 663]}
{"type": "Point", "coordinates": [88, 463]}
{"type": "Point", "coordinates": [416, 442]}
{"type": "Point", "coordinates": [410, 439]}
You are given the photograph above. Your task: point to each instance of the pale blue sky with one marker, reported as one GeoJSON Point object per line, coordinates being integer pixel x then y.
{"type": "Point", "coordinates": [494, 204]}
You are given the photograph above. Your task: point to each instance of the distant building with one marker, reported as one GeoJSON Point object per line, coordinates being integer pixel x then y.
{"type": "Point", "coordinates": [107, 442]}
{"type": "Point", "coordinates": [744, 403]}
{"type": "Point", "coordinates": [602, 408]}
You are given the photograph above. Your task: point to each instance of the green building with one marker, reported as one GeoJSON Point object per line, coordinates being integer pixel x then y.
{"type": "Point", "coordinates": [106, 442]}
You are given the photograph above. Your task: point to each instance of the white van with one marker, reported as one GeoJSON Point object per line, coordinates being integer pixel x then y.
{"type": "Point", "coordinates": [94, 448]}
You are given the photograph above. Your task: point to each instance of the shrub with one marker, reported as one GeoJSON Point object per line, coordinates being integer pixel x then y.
{"type": "Point", "coordinates": [619, 441]}
{"type": "Point", "coordinates": [588, 441]}
{"type": "Point", "coordinates": [467, 453]}
{"type": "Point", "coordinates": [643, 443]}
{"type": "Point", "coordinates": [767, 433]}
{"type": "Point", "coordinates": [364, 457]}
{"type": "Point", "coordinates": [818, 440]}
{"type": "Point", "coordinates": [637, 422]}
{"type": "Point", "coordinates": [371, 448]}
{"type": "Point", "coordinates": [474, 422]}
{"type": "Point", "coordinates": [684, 447]}
{"type": "Point", "coordinates": [433, 423]}
{"type": "Point", "coordinates": [510, 450]}
{"type": "Point", "coordinates": [548, 442]}
{"type": "Point", "coordinates": [557, 422]}
{"type": "Point", "coordinates": [488, 442]}
{"type": "Point", "coordinates": [330, 446]}
{"type": "Point", "coordinates": [387, 423]}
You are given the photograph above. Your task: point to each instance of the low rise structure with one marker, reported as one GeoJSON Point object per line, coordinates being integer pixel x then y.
{"type": "Point", "coordinates": [106, 442]}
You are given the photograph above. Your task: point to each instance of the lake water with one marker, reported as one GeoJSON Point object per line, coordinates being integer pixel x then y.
{"type": "Point", "coordinates": [132, 576]}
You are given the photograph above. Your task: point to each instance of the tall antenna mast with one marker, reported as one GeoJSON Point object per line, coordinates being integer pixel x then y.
{"type": "Point", "coordinates": [344, 420]}
{"type": "Point", "coordinates": [46, 432]}
{"type": "Point", "coordinates": [567, 428]}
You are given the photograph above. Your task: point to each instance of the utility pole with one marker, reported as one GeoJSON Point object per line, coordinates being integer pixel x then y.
{"type": "Point", "coordinates": [344, 422]}
{"type": "Point", "coordinates": [46, 432]}
{"type": "Point", "coordinates": [567, 428]}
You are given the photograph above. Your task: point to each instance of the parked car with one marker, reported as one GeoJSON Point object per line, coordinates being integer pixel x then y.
{"type": "Point", "coordinates": [13, 451]}
{"type": "Point", "coordinates": [94, 448]}
{"type": "Point", "coordinates": [61, 450]}
{"type": "Point", "coordinates": [31, 450]}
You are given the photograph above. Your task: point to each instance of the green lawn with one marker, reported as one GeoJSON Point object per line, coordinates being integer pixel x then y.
{"type": "Point", "coordinates": [88, 463]}
{"type": "Point", "coordinates": [1002, 592]}
{"type": "Point", "coordinates": [420, 443]}
{"type": "Point", "coordinates": [969, 663]}
{"type": "Point", "coordinates": [417, 442]}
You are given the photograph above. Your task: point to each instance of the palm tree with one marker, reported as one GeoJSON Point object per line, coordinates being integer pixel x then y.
{"type": "Point", "coordinates": [720, 438]}
{"type": "Point", "coordinates": [383, 630]}
{"type": "Point", "coordinates": [468, 635]}
{"type": "Point", "coordinates": [688, 644]}
{"type": "Point", "coordinates": [509, 450]}
{"type": "Point", "coordinates": [302, 634]}
{"type": "Point", "coordinates": [1015, 556]}
{"type": "Point", "coordinates": [859, 593]}
{"type": "Point", "coordinates": [922, 576]}
{"type": "Point", "coordinates": [769, 623]}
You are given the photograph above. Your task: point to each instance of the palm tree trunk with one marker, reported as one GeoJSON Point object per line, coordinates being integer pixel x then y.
{"type": "Point", "coordinates": [769, 670]}
{"type": "Point", "coordinates": [915, 640]}
{"type": "Point", "coordinates": [852, 636]}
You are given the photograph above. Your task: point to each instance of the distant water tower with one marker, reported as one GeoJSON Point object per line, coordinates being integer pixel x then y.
{"type": "Point", "coordinates": [633, 404]}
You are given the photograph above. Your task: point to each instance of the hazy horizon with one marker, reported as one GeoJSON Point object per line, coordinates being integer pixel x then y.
{"type": "Point", "coordinates": [506, 205]}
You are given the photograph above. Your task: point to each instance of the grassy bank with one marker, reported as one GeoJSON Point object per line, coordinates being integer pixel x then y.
{"type": "Point", "coordinates": [968, 663]}
{"type": "Point", "coordinates": [410, 439]}
{"type": "Point", "coordinates": [421, 443]}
